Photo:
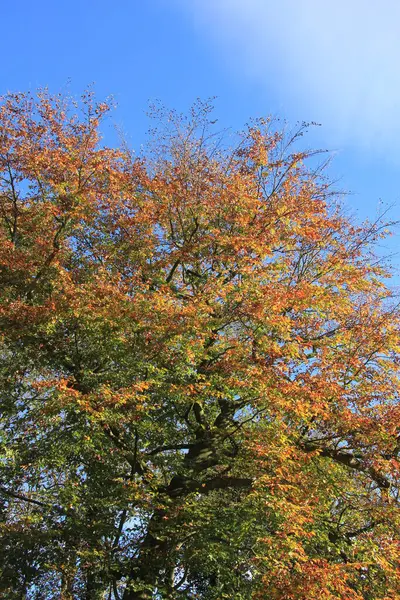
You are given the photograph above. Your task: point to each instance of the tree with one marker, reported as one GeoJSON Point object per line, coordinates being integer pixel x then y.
{"type": "Point", "coordinates": [199, 376]}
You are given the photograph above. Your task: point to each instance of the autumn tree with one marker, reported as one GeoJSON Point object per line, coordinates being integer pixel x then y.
{"type": "Point", "coordinates": [199, 368]}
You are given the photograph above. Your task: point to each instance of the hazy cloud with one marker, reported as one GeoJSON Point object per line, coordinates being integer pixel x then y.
{"type": "Point", "coordinates": [334, 61]}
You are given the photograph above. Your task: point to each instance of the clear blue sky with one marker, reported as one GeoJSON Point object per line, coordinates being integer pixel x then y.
{"type": "Point", "coordinates": [298, 60]}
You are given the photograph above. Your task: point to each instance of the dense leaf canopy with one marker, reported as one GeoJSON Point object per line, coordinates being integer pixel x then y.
{"type": "Point", "coordinates": [199, 367]}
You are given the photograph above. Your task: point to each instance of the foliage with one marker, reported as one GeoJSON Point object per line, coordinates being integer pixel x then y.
{"type": "Point", "coordinates": [199, 376]}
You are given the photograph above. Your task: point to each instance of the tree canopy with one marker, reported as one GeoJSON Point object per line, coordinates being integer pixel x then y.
{"type": "Point", "coordinates": [199, 371]}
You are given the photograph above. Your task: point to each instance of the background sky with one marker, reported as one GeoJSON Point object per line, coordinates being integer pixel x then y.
{"type": "Point", "coordinates": [336, 62]}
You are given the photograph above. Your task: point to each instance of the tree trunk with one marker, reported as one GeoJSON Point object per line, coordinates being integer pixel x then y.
{"type": "Point", "coordinates": [151, 568]}
{"type": "Point", "coordinates": [146, 572]}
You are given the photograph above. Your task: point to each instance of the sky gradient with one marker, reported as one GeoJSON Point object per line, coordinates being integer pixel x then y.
{"type": "Point", "coordinates": [331, 62]}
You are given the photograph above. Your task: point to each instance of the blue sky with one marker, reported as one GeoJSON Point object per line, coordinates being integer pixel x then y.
{"type": "Point", "coordinates": [335, 62]}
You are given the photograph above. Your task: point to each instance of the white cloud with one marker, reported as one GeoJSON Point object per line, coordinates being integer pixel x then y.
{"type": "Point", "coordinates": [338, 61]}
